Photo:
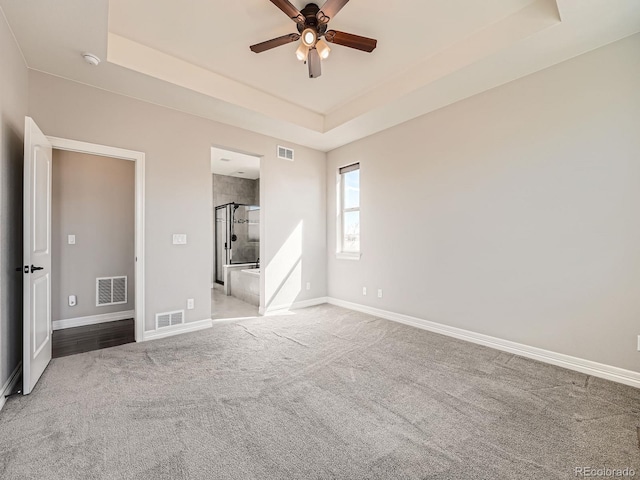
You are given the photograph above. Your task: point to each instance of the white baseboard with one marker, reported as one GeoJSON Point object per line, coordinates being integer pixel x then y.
{"type": "Point", "coordinates": [10, 384]}
{"type": "Point", "coordinates": [608, 372]}
{"type": "Point", "coordinates": [275, 310]}
{"type": "Point", "coordinates": [92, 319]}
{"type": "Point", "coordinates": [177, 329]}
{"type": "Point", "coordinates": [218, 321]}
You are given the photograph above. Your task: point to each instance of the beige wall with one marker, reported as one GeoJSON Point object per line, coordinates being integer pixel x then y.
{"type": "Point", "coordinates": [179, 197]}
{"type": "Point", "coordinates": [13, 108]}
{"type": "Point", "coordinates": [521, 208]}
{"type": "Point", "coordinates": [93, 199]}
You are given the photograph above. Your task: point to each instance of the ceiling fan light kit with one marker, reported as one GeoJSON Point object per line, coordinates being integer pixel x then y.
{"type": "Point", "coordinates": [312, 26]}
{"type": "Point", "coordinates": [309, 37]}
{"type": "Point", "coordinates": [323, 49]}
{"type": "Point", "coordinates": [302, 52]}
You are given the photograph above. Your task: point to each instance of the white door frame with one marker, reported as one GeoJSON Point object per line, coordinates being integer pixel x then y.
{"type": "Point", "coordinates": [138, 158]}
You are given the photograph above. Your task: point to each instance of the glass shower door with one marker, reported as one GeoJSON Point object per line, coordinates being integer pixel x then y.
{"type": "Point", "coordinates": [245, 234]}
{"type": "Point", "coordinates": [237, 236]}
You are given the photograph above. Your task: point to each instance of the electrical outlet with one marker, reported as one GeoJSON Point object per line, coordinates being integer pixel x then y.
{"type": "Point", "coordinates": [364, 291]}
{"type": "Point", "coordinates": [379, 293]}
{"type": "Point", "coordinates": [308, 285]}
{"type": "Point", "coordinates": [73, 301]}
{"type": "Point", "coordinates": [71, 239]}
{"type": "Point", "coordinates": [190, 304]}
{"type": "Point", "coordinates": [639, 343]}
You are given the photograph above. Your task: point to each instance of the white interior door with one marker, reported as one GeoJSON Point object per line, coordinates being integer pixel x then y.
{"type": "Point", "coordinates": [37, 255]}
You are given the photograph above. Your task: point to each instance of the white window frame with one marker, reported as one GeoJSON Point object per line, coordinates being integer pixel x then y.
{"type": "Point", "coordinates": [340, 253]}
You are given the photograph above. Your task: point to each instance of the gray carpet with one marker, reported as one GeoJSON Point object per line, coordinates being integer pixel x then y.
{"type": "Point", "coordinates": [323, 394]}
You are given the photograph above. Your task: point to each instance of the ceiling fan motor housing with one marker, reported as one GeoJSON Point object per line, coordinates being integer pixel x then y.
{"type": "Point", "coordinates": [311, 21]}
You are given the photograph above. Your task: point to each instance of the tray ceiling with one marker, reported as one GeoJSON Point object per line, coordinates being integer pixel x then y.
{"type": "Point", "coordinates": [194, 56]}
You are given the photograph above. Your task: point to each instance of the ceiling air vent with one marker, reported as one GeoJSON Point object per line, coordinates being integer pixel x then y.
{"type": "Point", "coordinates": [169, 319]}
{"type": "Point", "coordinates": [285, 153]}
{"type": "Point", "coordinates": [111, 291]}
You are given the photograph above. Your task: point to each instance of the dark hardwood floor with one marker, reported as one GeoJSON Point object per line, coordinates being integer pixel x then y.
{"type": "Point", "coordinates": [92, 337]}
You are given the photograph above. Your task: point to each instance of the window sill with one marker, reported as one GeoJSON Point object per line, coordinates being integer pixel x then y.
{"type": "Point", "coordinates": [348, 256]}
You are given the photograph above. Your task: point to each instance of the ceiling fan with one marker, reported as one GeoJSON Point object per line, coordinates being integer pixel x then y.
{"type": "Point", "coordinates": [312, 26]}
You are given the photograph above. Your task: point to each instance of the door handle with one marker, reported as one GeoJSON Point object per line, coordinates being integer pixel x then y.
{"type": "Point", "coordinates": [33, 269]}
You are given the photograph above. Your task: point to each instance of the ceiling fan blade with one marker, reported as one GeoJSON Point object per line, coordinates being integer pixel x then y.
{"type": "Point", "coordinates": [274, 42]}
{"type": "Point", "coordinates": [315, 66]}
{"type": "Point", "coordinates": [292, 12]}
{"type": "Point", "coordinates": [350, 40]}
{"type": "Point", "coordinates": [329, 10]}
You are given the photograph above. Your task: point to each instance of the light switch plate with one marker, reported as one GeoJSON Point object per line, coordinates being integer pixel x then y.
{"type": "Point", "coordinates": [179, 238]}
{"type": "Point", "coordinates": [71, 239]}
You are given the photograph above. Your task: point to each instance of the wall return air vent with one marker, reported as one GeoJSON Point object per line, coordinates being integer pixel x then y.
{"type": "Point", "coordinates": [285, 153]}
{"type": "Point", "coordinates": [111, 291]}
{"type": "Point", "coordinates": [169, 319]}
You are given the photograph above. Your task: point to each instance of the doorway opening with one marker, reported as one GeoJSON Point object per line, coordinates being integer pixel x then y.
{"type": "Point", "coordinates": [236, 272]}
{"type": "Point", "coordinates": [109, 283]}
{"type": "Point", "coordinates": [93, 252]}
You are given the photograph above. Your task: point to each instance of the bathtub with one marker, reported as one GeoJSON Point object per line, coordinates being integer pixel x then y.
{"type": "Point", "coordinates": [227, 269]}
{"type": "Point", "coordinates": [245, 285]}
{"type": "Point", "coordinates": [252, 271]}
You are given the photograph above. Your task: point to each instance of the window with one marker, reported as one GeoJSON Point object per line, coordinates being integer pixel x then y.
{"type": "Point", "coordinates": [349, 212]}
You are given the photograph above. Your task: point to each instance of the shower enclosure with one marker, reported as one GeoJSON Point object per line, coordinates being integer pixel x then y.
{"type": "Point", "coordinates": [237, 236]}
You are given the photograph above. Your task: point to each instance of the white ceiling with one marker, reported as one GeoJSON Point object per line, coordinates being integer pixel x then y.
{"type": "Point", "coordinates": [217, 38]}
{"type": "Point", "coordinates": [234, 164]}
{"type": "Point", "coordinates": [193, 56]}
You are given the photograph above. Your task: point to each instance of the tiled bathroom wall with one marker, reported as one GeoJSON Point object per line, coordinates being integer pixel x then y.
{"type": "Point", "coordinates": [233, 189]}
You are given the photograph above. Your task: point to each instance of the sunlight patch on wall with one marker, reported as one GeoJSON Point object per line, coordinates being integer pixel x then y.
{"type": "Point", "coordinates": [283, 275]}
